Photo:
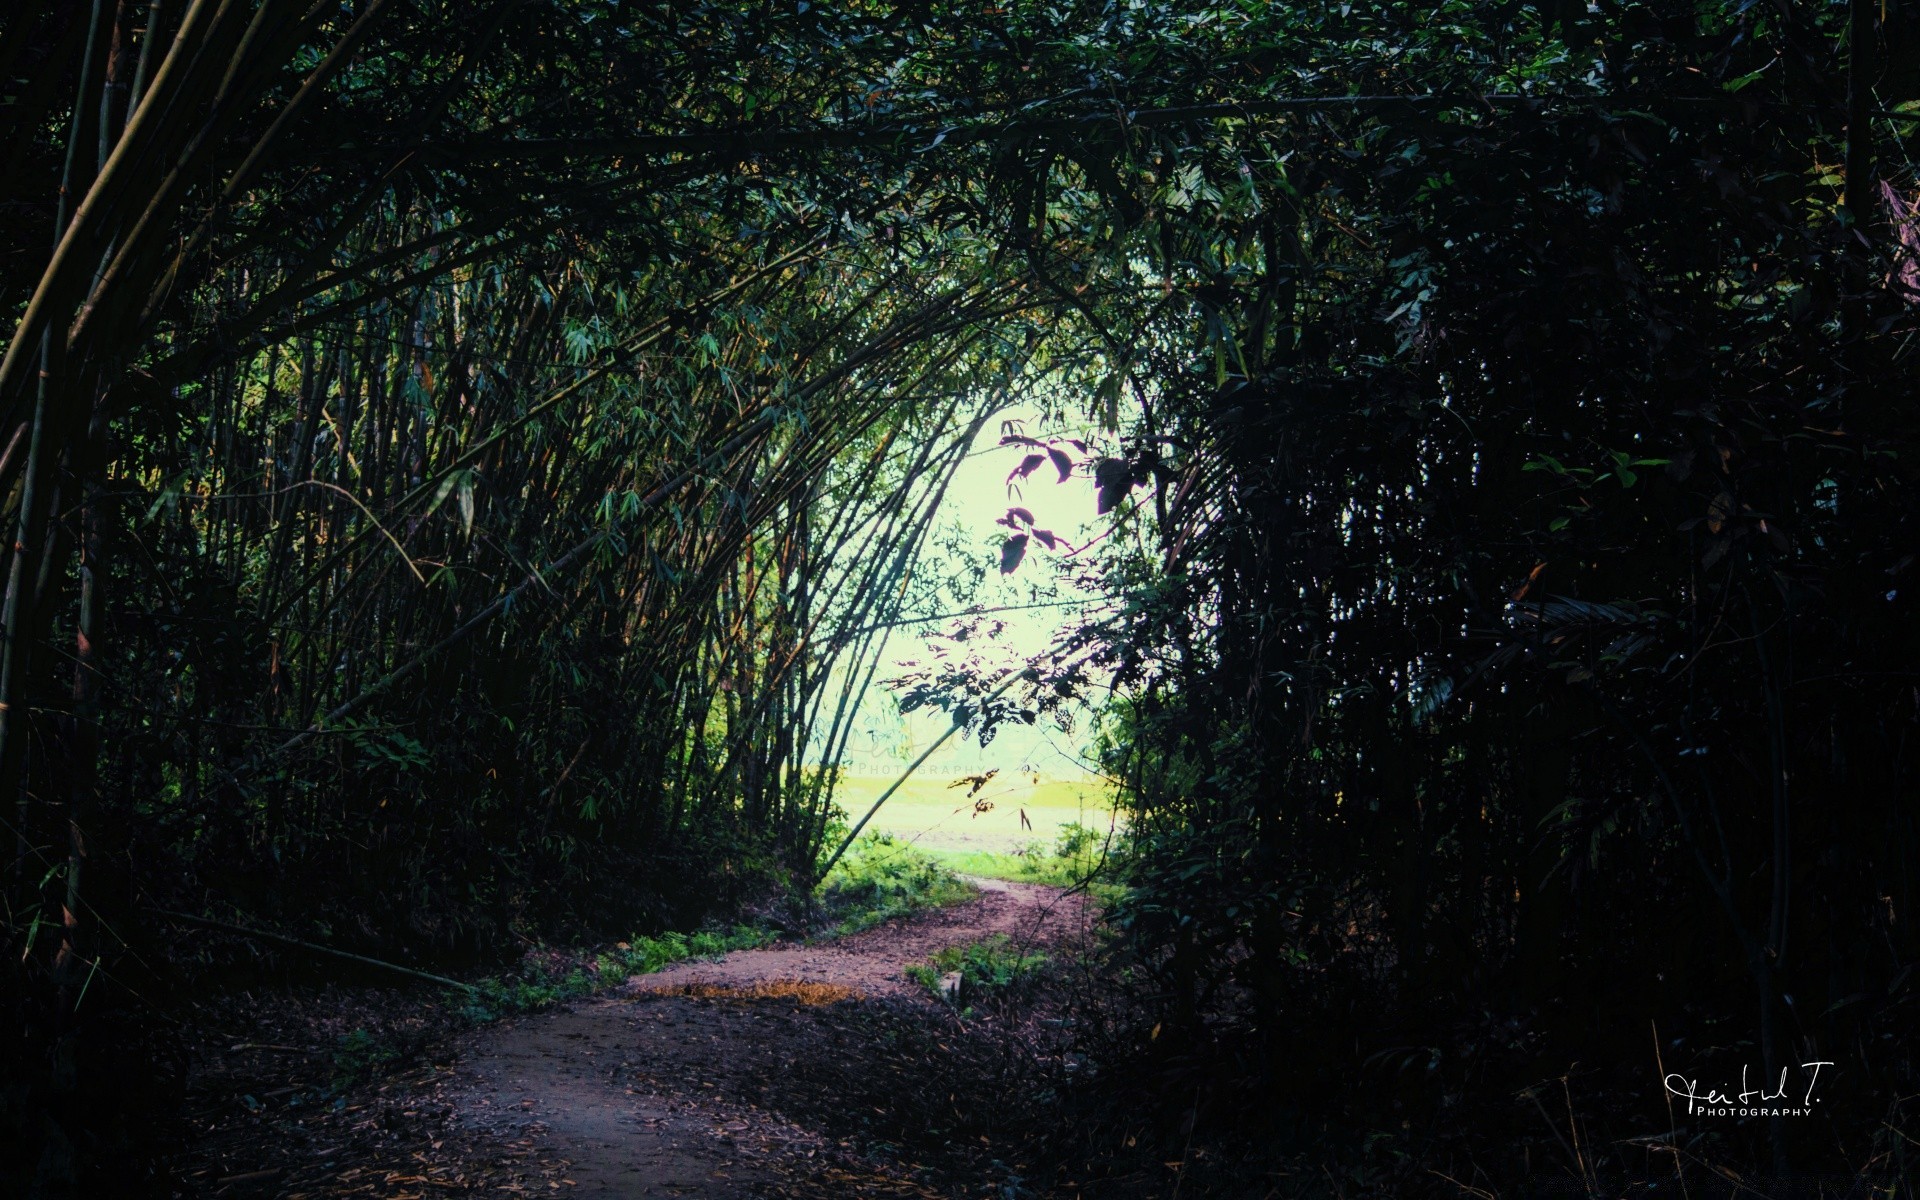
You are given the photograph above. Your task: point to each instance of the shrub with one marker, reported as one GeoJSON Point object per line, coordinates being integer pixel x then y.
{"type": "Point", "coordinates": [986, 968]}
{"type": "Point", "coordinates": [360, 1057]}
{"type": "Point", "coordinates": [881, 877]}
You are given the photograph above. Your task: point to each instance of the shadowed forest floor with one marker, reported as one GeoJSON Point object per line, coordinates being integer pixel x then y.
{"type": "Point", "coordinates": [798, 1070]}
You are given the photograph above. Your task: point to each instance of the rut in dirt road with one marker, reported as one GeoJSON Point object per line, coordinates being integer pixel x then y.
{"type": "Point", "coordinates": [792, 1071]}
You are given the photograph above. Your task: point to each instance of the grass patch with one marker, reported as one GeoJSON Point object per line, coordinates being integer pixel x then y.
{"type": "Point", "coordinates": [1079, 854]}
{"type": "Point", "coordinates": [935, 815]}
{"type": "Point", "coordinates": [548, 978]}
{"type": "Point", "coordinates": [985, 968]}
{"type": "Point", "coordinates": [880, 878]}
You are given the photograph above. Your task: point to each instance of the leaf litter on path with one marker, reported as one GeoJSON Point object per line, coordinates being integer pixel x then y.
{"type": "Point", "coordinates": [802, 1072]}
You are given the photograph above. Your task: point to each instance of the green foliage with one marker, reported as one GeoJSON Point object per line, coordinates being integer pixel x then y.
{"type": "Point", "coordinates": [1491, 604]}
{"type": "Point", "coordinates": [546, 979]}
{"type": "Point", "coordinates": [1078, 856]}
{"type": "Point", "coordinates": [360, 1057]}
{"type": "Point", "coordinates": [1509, 441]}
{"type": "Point", "coordinates": [880, 878]}
{"type": "Point", "coordinates": [988, 967]}
{"type": "Point", "coordinates": [644, 955]}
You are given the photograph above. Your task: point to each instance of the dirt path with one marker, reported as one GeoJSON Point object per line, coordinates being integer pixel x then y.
{"type": "Point", "coordinates": [741, 1077]}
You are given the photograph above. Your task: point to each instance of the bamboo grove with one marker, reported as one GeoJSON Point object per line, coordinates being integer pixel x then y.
{"type": "Point", "coordinates": [463, 461]}
{"type": "Point", "coordinates": [428, 554]}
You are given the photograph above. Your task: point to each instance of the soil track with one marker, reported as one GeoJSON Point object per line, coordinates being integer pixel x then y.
{"type": "Point", "coordinates": [730, 1078]}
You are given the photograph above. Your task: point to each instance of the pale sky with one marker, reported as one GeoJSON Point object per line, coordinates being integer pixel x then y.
{"type": "Point", "coordinates": [978, 497]}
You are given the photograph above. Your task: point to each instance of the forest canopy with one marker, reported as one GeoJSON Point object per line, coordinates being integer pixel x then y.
{"type": "Point", "coordinates": [463, 460]}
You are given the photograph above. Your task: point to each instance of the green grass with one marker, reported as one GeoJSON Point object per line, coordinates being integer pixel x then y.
{"type": "Point", "coordinates": [940, 818]}
{"type": "Point", "coordinates": [1078, 854]}
{"type": "Point", "coordinates": [988, 966]}
{"type": "Point", "coordinates": [545, 980]}
{"type": "Point", "coordinates": [881, 877]}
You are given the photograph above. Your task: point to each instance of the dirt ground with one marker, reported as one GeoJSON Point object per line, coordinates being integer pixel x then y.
{"type": "Point", "coordinates": [794, 1071]}
{"type": "Point", "coordinates": [674, 1088]}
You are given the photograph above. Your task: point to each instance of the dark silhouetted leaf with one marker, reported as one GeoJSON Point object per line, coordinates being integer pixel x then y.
{"type": "Point", "coordinates": [1011, 553]}
{"type": "Point", "coordinates": [1027, 466]}
{"type": "Point", "coordinates": [1114, 479]}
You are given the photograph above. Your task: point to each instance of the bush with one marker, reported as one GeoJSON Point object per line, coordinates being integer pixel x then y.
{"type": "Point", "coordinates": [986, 968]}
{"type": "Point", "coordinates": [881, 877]}
{"type": "Point", "coordinates": [546, 980]}
{"type": "Point", "coordinates": [361, 1056]}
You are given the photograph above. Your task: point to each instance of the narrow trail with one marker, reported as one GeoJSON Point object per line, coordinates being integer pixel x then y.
{"type": "Point", "coordinates": [731, 1078]}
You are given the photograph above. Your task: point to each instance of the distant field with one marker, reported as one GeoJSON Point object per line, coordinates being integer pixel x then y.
{"type": "Point", "coordinates": [933, 816]}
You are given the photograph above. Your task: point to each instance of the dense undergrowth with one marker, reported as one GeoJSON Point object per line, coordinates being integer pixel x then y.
{"type": "Point", "coordinates": [973, 972]}
{"type": "Point", "coordinates": [544, 978]}
{"type": "Point", "coordinates": [882, 877]}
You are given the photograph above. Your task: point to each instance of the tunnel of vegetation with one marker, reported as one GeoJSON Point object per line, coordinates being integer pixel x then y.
{"type": "Point", "coordinates": [460, 458]}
